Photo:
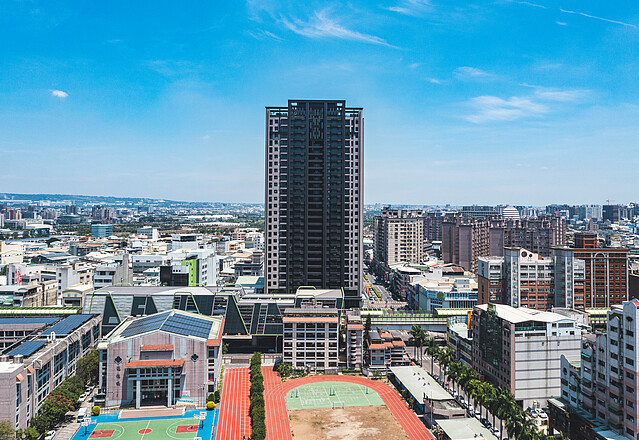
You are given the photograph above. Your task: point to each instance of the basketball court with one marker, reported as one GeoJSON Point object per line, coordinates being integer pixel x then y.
{"type": "Point", "coordinates": [188, 427]}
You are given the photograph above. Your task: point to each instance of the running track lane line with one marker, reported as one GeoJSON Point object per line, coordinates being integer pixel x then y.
{"type": "Point", "coordinates": [234, 418]}
{"type": "Point", "coordinates": [277, 422]}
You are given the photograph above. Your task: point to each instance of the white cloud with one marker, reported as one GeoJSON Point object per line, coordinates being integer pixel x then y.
{"type": "Point", "coordinates": [569, 95]}
{"type": "Point", "coordinates": [323, 26]}
{"type": "Point", "coordinates": [411, 7]}
{"type": "Point", "coordinates": [261, 34]}
{"type": "Point", "coordinates": [434, 80]}
{"type": "Point", "coordinates": [414, 65]}
{"type": "Point", "coordinates": [561, 23]}
{"type": "Point", "coordinates": [466, 72]}
{"type": "Point", "coordinates": [493, 108]}
{"type": "Point", "coordinates": [206, 136]}
{"type": "Point", "coordinates": [59, 94]}
{"type": "Point", "coordinates": [598, 18]}
{"type": "Point", "coordinates": [554, 94]}
{"type": "Point", "coordinates": [528, 4]}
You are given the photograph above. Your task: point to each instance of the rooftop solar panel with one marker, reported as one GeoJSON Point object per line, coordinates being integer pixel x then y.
{"type": "Point", "coordinates": [67, 325]}
{"type": "Point", "coordinates": [173, 323]}
{"type": "Point", "coordinates": [188, 325]}
{"type": "Point", "coordinates": [146, 324]}
{"type": "Point", "coordinates": [26, 349]}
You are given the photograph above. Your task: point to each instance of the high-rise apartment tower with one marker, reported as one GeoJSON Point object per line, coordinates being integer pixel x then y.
{"type": "Point", "coordinates": [313, 199]}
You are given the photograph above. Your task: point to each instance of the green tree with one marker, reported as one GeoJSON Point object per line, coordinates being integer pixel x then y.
{"type": "Point", "coordinates": [418, 336]}
{"type": "Point", "coordinates": [367, 330]}
{"type": "Point", "coordinates": [431, 349]}
{"type": "Point", "coordinates": [87, 367]}
{"type": "Point", "coordinates": [284, 369]}
{"type": "Point", "coordinates": [30, 433]}
{"type": "Point", "coordinates": [6, 430]}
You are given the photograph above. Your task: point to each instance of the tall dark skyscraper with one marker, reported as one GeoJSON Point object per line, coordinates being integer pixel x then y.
{"type": "Point", "coordinates": [313, 197]}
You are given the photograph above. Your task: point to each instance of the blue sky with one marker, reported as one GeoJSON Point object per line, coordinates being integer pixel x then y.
{"type": "Point", "coordinates": [464, 102]}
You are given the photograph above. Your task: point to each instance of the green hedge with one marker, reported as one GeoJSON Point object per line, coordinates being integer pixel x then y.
{"type": "Point", "coordinates": [256, 396]}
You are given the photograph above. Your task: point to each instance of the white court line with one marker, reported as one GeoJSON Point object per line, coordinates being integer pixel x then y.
{"type": "Point", "coordinates": [147, 427]}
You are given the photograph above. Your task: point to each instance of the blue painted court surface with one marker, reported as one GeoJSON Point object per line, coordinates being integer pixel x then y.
{"type": "Point", "coordinates": [109, 426]}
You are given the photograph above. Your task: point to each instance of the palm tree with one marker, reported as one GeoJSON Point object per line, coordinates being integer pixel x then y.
{"type": "Point", "coordinates": [472, 389]}
{"type": "Point", "coordinates": [487, 395]}
{"type": "Point", "coordinates": [503, 407]}
{"type": "Point", "coordinates": [514, 427]}
{"type": "Point", "coordinates": [445, 360]}
{"type": "Point", "coordinates": [431, 348]}
{"type": "Point", "coordinates": [454, 371]}
{"type": "Point", "coordinates": [418, 336]}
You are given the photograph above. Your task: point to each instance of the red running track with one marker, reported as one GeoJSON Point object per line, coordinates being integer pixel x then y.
{"type": "Point", "coordinates": [234, 405]}
{"type": "Point", "coordinates": [278, 426]}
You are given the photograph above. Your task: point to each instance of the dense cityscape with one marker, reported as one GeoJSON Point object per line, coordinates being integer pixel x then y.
{"type": "Point", "coordinates": [319, 220]}
{"type": "Point", "coordinates": [526, 316]}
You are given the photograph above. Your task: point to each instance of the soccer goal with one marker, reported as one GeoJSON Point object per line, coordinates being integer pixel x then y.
{"type": "Point", "coordinates": [338, 404]}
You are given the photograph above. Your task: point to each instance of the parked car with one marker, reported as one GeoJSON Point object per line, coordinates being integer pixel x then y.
{"type": "Point", "coordinates": [49, 435]}
{"type": "Point", "coordinates": [471, 410]}
{"type": "Point", "coordinates": [477, 414]}
{"type": "Point", "coordinates": [496, 432]}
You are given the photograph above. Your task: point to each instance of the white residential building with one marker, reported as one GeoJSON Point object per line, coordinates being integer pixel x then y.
{"type": "Point", "coordinates": [520, 350]}
{"type": "Point", "coordinates": [311, 338]}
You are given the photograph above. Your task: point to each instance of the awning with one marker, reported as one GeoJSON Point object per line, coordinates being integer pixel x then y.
{"type": "Point", "coordinates": [156, 363]}
{"type": "Point", "coordinates": [160, 347]}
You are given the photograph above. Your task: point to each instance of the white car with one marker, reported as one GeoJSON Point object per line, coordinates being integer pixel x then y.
{"type": "Point", "coordinates": [49, 435]}
{"type": "Point", "coordinates": [477, 414]}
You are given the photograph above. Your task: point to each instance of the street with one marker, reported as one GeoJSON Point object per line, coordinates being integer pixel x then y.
{"type": "Point", "coordinates": [385, 299]}
{"type": "Point", "coordinates": [426, 361]}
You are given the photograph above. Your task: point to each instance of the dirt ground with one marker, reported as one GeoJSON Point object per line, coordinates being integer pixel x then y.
{"type": "Point", "coordinates": [350, 423]}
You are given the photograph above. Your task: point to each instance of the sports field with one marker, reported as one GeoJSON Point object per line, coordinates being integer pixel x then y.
{"type": "Point", "coordinates": [331, 395]}
{"type": "Point", "coordinates": [180, 429]}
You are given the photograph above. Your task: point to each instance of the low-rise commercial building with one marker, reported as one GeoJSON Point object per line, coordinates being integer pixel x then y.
{"type": "Point", "coordinates": [387, 349]}
{"type": "Point", "coordinates": [459, 339]}
{"type": "Point", "coordinates": [429, 397]}
{"type": "Point", "coordinates": [436, 291]}
{"type": "Point", "coordinates": [101, 230]}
